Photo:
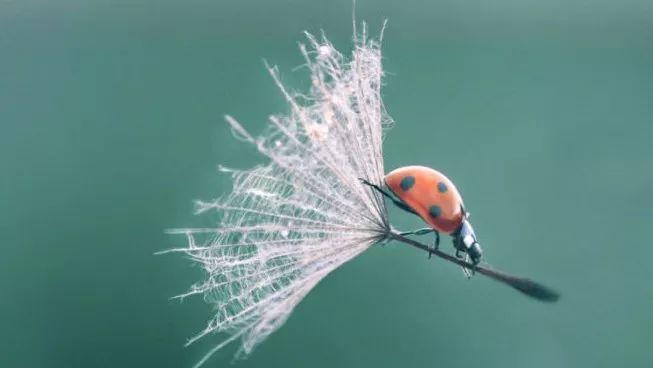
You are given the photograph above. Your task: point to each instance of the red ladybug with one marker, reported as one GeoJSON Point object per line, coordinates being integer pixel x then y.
{"type": "Point", "coordinates": [433, 197]}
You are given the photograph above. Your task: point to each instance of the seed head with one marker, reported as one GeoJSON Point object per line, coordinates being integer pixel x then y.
{"type": "Point", "coordinates": [291, 221]}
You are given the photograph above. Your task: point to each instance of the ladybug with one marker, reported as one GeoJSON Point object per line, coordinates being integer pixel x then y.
{"type": "Point", "coordinates": [430, 195]}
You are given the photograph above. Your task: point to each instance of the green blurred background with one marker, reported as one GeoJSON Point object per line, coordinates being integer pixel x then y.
{"type": "Point", "coordinates": [540, 111]}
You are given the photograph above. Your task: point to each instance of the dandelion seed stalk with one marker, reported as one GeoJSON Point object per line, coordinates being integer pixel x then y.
{"type": "Point", "coordinates": [526, 286]}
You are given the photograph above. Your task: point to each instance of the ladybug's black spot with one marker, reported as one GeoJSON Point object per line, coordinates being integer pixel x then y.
{"type": "Point", "coordinates": [442, 187]}
{"type": "Point", "coordinates": [407, 183]}
{"type": "Point", "coordinates": [435, 211]}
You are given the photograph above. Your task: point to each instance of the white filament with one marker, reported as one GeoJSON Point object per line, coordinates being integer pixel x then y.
{"type": "Point", "coordinates": [290, 222]}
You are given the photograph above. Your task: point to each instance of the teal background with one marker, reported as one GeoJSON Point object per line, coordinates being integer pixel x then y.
{"type": "Point", "coordinates": [111, 124]}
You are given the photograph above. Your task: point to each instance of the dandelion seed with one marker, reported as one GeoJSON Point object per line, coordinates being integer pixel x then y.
{"type": "Point", "coordinates": [289, 223]}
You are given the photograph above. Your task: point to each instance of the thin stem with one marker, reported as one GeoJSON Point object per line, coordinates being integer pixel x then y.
{"type": "Point", "coordinates": [524, 285]}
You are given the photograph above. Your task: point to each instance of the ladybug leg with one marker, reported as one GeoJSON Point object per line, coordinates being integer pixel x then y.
{"type": "Point", "coordinates": [469, 272]}
{"type": "Point", "coordinates": [397, 202]}
{"type": "Point", "coordinates": [436, 243]}
{"type": "Point", "coordinates": [424, 231]}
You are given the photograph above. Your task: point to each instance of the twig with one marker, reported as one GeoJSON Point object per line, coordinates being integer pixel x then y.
{"type": "Point", "coordinates": [524, 285]}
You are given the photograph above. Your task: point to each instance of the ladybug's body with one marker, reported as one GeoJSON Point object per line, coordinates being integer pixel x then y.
{"type": "Point", "coordinates": [429, 193]}
{"type": "Point", "coordinates": [433, 197]}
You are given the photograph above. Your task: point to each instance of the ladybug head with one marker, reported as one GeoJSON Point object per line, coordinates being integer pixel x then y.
{"type": "Point", "coordinates": [466, 241]}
